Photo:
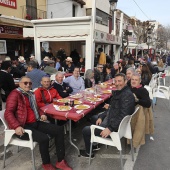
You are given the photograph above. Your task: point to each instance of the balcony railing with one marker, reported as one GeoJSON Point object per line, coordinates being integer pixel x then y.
{"type": "Point", "coordinates": [31, 12]}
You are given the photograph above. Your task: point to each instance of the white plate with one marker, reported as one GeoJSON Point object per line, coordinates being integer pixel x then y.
{"type": "Point", "coordinates": [76, 96]}
{"type": "Point", "coordinates": [63, 108]}
{"type": "Point", "coordinates": [93, 99]}
{"type": "Point", "coordinates": [82, 107]}
{"type": "Point", "coordinates": [63, 100]}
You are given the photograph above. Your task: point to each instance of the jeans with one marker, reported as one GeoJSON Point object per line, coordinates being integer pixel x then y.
{"type": "Point", "coordinates": [87, 133]}
{"type": "Point", "coordinates": [39, 134]}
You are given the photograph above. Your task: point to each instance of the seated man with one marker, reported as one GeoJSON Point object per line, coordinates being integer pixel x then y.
{"type": "Point", "coordinates": [98, 74]}
{"type": "Point", "coordinates": [140, 93]}
{"type": "Point", "coordinates": [75, 81]}
{"type": "Point", "coordinates": [122, 104]}
{"type": "Point", "coordinates": [21, 113]}
{"type": "Point", "coordinates": [45, 94]}
{"type": "Point", "coordinates": [129, 72]}
{"type": "Point", "coordinates": [63, 89]}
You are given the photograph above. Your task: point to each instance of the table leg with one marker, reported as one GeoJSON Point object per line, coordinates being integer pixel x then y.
{"type": "Point", "coordinates": [70, 139]}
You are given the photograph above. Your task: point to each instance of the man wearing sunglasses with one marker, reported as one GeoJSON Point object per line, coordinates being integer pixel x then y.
{"type": "Point", "coordinates": [22, 113]}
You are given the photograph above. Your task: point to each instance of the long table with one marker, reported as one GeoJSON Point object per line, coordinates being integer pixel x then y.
{"type": "Point", "coordinates": [76, 115]}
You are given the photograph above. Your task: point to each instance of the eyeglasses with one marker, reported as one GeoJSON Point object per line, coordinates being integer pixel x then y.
{"type": "Point", "coordinates": [100, 67]}
{"type": "Point", "coordinates": [26, 83]}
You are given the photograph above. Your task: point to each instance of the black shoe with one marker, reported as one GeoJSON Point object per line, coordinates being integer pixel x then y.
{"type": "Point", "coordinates": [83, 153]}
{"type": "Point", "coordinates": [96, 147]}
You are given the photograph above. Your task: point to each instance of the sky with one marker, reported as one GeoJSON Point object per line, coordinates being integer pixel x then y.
{"type": "Point", "coordinates": [158, 10]}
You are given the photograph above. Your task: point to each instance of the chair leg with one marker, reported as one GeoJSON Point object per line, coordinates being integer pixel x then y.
{"type": "Point", "coordinates": [121, 161]}
{"type": "Point", "coordinates": [132, 149]}
{"type": "Point", "coordinates": [90, 153]}
{"type": "Point", "coordinates": [33, 159]}
{"type": "Point", "coordinates": [4, 156]}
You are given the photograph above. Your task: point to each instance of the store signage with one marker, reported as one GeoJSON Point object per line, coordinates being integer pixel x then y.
{"type": "Point", "coordinates": [9, 3]}
{"type": "Point", "coordinates": [107, 38]}
{"type": "Point", "coordinates": [10, 30]}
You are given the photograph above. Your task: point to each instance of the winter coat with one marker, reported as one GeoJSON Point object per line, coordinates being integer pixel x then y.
{"type": "Point", "coordinates": [122, 104]}
{"type": "Point", "coordinates": [48, 95]}
{"type": "Point", "coordinates": [16, 111]}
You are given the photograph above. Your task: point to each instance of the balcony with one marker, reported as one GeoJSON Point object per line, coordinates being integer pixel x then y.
{"type": "Point", "coordinates": [31, 12]}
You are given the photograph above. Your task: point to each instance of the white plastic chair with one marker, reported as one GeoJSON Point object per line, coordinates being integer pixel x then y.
{"type": "Point", "coordinates": [161, 77]}
{"type": "Point", "coordinates": [115, 140]}
{"type": "Point", "coordinates": [10, 140]}
{"type": "Point", "coordinates": [162, 92]}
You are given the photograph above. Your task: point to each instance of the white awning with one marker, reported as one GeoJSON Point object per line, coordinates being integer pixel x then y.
{"type": "Point", "coordinates": [28, 32]}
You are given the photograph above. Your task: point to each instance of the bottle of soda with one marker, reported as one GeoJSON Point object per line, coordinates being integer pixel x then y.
{"type": "Point", "coordinates": [71, 103]}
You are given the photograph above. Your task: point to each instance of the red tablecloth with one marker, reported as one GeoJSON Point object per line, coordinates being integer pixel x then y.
{"type": "Point", "coordinates": [72, 114]}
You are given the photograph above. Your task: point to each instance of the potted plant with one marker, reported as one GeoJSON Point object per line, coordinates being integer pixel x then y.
{"type": "Point", "coordinates": [28, 17]}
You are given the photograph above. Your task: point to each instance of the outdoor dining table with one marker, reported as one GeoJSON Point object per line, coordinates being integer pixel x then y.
{"type": "Point", "coordinates": [75, 114]}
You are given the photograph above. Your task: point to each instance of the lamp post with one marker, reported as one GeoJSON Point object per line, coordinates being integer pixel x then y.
{"type": "Point", "coordinates": [113, 4]}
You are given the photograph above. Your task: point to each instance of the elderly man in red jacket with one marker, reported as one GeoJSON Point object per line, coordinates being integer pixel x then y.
{"type": "Point", "coordinates": [22, 113]}
{"type": "Point", "coordinates": [45, 94]}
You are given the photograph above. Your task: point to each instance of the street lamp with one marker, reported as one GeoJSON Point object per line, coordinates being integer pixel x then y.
{"type": "Point", "coordinates": [113, 4]}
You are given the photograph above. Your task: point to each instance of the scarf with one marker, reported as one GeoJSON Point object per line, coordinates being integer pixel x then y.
{"type": "Point", "coordinates": [32, 101]}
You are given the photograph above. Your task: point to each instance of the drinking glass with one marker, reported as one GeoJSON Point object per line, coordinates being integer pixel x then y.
{"type": "Point", "coordinates": [54, 101]}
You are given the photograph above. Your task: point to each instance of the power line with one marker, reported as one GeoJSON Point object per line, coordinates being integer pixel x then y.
{"type": "Point", "coordinates": [141, 9]}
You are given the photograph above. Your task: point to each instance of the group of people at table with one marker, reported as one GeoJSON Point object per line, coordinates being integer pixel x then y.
{"type": "Point", "coordinates": [23, 109]}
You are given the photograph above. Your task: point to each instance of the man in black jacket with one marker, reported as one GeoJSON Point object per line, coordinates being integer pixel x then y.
{"type": "Point", "coordinates": [6, 80]}
{"type": "Point", "coordinates": [122, 104]}
{"type": "Point", "coordinates": [63, 89]}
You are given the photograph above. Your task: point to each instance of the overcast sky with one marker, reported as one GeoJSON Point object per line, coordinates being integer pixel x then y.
{"type": "Point", "coordinates": [158, 10]}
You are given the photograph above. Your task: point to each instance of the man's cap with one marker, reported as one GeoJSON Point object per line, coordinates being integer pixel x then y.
{"type": "Point", "coordinates": [69, 59]}
{"type": "Point", "coordinates": [46, 58]}
{"type": "Point", "coordinates": [21, 59]}
{"type": "Point", "coordinates": [7, 58]}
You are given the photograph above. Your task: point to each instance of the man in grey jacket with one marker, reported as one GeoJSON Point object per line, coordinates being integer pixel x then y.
{"type": "Point", "coordinates": [122, 104]}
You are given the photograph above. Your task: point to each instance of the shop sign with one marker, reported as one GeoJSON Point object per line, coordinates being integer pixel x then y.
{"type": "Point", "coordinates": [10, 30]}
{"type": "Point", "coordinates": [107, 38]}
{"type": "Point", "coordinates": [9, 3]}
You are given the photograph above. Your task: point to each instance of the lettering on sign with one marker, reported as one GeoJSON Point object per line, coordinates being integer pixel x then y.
{"type": "Point", "coordinates": [9, 3]}
{"type": "Point", "coordinates": [10, 30]}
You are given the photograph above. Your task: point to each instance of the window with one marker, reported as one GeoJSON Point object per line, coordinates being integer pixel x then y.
{"type": "Point", "coordinates": [31, 8]}
{"type": "Point", "coordinates": [74, 11]}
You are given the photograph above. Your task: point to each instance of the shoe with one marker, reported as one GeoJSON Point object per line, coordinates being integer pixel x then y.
{"type": "Point", "coordinates": [83, 153]}
{"type": "Point", "coordinates": [63, 165]}
{"type": "Point", "coordinates": [48, 167]}
{"type": "Point", "coordinates": [96, 147]}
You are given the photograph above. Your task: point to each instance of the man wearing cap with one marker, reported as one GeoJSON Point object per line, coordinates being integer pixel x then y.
{"type": "Point", "coordinates": [44, 62]}
{"type": "Point", "coordinates": [49, 69]}
{"type": "Point", "coordinates": [35, 74]}
{"type": "Point", "coordinates": [69, 65]}
{"type": "Point", "coordinates": [75, 81]}
{"type": "Point", "coordinates": [32, 58]}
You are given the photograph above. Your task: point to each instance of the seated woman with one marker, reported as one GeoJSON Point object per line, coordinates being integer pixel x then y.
{"type": "Point", "coordinates": [89, 78]}
{"type": "Point", "coordinates": [140, 93]}
{"type": "Point", "coordinates": [146, 75]}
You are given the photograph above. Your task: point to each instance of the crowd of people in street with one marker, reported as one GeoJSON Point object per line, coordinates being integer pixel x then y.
{"type": "Point", "coordinates": [35, 90]}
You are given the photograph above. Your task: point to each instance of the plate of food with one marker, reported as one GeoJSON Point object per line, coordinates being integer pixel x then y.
{"type": "Point", "coordinates": [77, 102]}
{"type": "Point", "coordinates": [63, 108]}
{"type": "Point", "coordinates": [93, 99]}
{"type": "Point", "coordinates": [97, 96]}
{"type": "Point", "coordinates": [63, 100]}
{"type": "Point", "coordinates": [76, 96]}
{"type": "Point", "coordinates": [102, 85]}
{"type": "Point", "coordinates": [107, 91]}
{"type": "Point", "coordinates": [82, 107]}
